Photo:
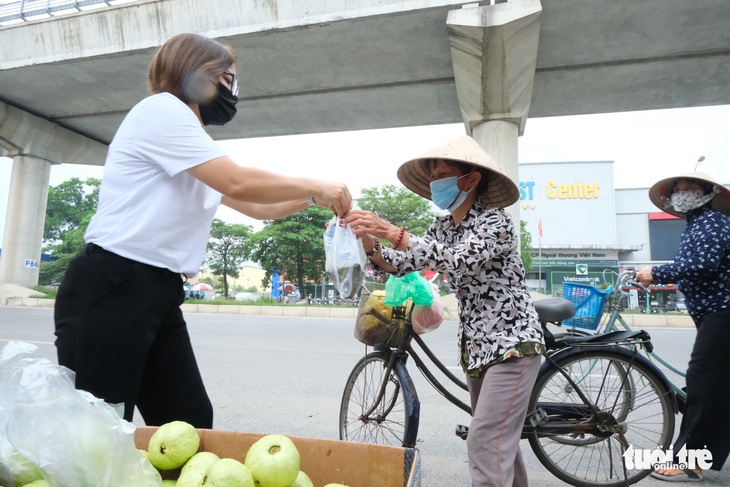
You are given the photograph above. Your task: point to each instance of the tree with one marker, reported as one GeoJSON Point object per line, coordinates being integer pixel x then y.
{"type": "Point", "coordinates": [227, 249]}
{"type": "Point", "coordinates": [70, 207]}
{"type": "Point", "coordinates": [293, 246]}
{"type": "Point", "coordinates": [525, 246]}
{"type": "Point", "coordinates": [399, 206]}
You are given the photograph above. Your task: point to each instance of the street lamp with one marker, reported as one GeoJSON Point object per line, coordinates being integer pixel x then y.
{"type": "Point", "coordinates": [702, 158]}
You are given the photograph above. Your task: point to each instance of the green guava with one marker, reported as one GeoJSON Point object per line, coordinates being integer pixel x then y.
{"type": "Point", "coordinates": [20, 470]}
{"type": "Point", "coordinates": [38, 483]}
{"type": "Point", "coordinates": [169, 483]}
{"type": "Point", "coordinates": [302, 480]}
{"type": "Point", "coordinates": [227, 472]}
{"type": "Point", "coordinates": [172, 445]}
{"type": "Point", "coordinates": [274, 461]}
{"type": "Point", "coordinates": [193, 471]}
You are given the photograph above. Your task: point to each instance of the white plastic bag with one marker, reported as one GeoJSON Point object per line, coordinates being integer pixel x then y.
{"type": "Point", "coordinates": [344, 258]}
{"type": "Point", "coordinates": [15, 469]}
{"type": "Point", "coordinates": [428, 318]}
{"type": "Point", "coordinates": [73, 438]}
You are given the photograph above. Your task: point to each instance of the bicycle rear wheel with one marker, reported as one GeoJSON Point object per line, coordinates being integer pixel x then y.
{"type": "Point", "coordinates": [633, 407]}
{"type": "Point", "coordinates": [394, 418]}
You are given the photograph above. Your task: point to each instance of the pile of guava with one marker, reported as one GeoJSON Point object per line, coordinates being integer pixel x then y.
{"type": "Point", "coordinates": [272, 461]}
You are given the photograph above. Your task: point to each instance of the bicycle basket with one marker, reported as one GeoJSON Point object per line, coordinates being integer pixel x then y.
{"type": "Point", "coordinates": [374, 323]}
{"type": "Point", "coordinates": [589, 303]}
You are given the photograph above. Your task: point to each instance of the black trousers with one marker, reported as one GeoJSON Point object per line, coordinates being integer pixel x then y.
{"type": "Point", "coordinates": [705, 423]}
{"type": "Point", "coordinates": [120, 328]}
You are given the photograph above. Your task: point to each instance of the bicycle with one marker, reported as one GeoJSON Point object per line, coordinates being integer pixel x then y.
{"type": "Point", "coordinates": [589, 302]}
{"type": "Point", "coordinates": [594, 397]}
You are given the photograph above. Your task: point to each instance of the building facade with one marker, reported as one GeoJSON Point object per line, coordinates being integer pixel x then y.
{"type": "Point", "coordinates": [583, 228]}
{"type": "Point", "coordinates": [570, 210]}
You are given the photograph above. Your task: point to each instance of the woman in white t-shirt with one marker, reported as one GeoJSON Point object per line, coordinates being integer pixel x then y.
{"type": "Point", "coordinates": [118, 320]}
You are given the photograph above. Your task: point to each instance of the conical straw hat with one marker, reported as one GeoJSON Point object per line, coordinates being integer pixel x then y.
{"type": "Point", "coordinates": [501, 190]}
{"type": "Point", "coordinates": [661, 191]}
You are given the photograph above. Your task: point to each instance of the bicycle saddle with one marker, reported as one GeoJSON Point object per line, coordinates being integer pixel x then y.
{"type": "Point", "coordinates": [554, 309]}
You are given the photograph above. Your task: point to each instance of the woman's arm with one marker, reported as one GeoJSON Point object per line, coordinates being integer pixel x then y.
{"type": "Point", "coordinates": [377, 258]}
{"type": "Point", "coordinates": [261, 211]}
{"type": "Point", "coordinates": [251, 185]}
{"type": "Point", "coordinates": [490, 236]}
{"type": "Point", "coordinates": [370, 227]}
{"type": "Point", "coordinates": [367, 224]}
{"type": "Point", "coordinates": [701, 250]}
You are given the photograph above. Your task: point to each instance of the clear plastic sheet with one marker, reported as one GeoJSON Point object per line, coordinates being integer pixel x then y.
{"type": "Point", "coordinates": [74, 439]}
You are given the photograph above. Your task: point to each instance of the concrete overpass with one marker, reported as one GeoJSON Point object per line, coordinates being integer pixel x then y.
{"type": "Point", "coordinates": [331, 65]}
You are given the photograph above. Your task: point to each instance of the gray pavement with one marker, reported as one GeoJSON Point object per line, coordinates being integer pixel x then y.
{"type": "Point", "coordinates": [286, 374]}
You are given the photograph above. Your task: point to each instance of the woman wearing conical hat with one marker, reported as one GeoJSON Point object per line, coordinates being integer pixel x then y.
{"type": "Point", "coordinates": [476, 247]}
{"type": "Point", "coordinates": [702, 270]}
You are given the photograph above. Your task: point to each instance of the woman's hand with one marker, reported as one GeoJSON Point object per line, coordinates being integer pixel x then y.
{"type": "Point", "coordinates": [335, 196]}
{"type": "Point", "coordinates": [644, 276]}
{"type": "Point", "coordinates": [367, 223]}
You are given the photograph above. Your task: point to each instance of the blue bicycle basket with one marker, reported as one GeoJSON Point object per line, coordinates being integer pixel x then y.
{"type": "Point", "coordinates": [589, 303]}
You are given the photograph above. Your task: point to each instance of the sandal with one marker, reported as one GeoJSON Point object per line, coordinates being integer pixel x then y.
{"type": "Point", "coordinates": [687, 476]}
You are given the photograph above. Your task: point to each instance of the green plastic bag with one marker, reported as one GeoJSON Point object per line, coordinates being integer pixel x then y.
{"type": "Point", "coordinates": [411, 286]}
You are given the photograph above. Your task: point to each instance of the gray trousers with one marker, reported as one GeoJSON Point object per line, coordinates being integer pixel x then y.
{"type": "Point", "coordinates": [499, 401]}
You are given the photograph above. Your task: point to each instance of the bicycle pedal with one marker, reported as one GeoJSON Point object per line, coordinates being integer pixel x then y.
{"type": "Point", "coordinates": [538, 419]}
{"type": "Point", "coordinates": [462, 431]}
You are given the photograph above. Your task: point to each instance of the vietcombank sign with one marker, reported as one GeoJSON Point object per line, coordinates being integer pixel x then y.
{"type": "Point", "coordinates": [580, 268]}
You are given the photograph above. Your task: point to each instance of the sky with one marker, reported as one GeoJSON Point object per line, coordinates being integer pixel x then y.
{"type": "Point", "coordinates": [645, 146]}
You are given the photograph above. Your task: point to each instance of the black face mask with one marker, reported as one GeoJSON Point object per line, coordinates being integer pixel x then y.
{"type": "Point", "coordinates": [221, 109]}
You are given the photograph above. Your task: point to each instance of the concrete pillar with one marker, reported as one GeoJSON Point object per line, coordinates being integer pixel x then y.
{"type": "Point", "coordinates": [499, 139]}
{"type": "Point", "coordinates": [23, 238]}
{"type": "Point", "coordinates": [494, 55]}
{"type": "Point", "coordinates": [33, 142]}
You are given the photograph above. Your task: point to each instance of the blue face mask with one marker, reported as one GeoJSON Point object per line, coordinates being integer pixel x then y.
{"type": "Point", "coordinates": [445, 193]}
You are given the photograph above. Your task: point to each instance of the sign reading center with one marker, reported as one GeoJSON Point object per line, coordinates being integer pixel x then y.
{"type": "Point", "coordinates": [573, 191]}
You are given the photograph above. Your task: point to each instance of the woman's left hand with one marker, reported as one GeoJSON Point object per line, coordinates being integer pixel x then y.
{"type": "Point", "coordinates": [644, 276]}
{"type": "Point", "coordinates": [365, 223]}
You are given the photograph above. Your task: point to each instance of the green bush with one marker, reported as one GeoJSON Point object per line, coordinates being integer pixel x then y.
{"type": "Point", "coordinates": [49, 292]}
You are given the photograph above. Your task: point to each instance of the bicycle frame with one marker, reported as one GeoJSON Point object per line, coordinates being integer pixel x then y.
{"type": "Point", "coordinates": [625, 278]}
{"type": "Point", "coordinates": [594, 395]}
{"type": "Point", "coordinates": [572, 410]}
{"type": "Point", "coordinates": [400, 348]}
{"type": "Point", "coordinates": [421, 365]}
{"type": "Point", "coordinates": [611, 326]}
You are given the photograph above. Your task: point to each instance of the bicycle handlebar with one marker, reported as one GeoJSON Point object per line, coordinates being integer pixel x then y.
{"type": "Point", "coordinates": [624, 278]}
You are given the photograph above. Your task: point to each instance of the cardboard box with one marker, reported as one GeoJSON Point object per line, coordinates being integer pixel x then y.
{"type": "Point", "coordinates": [325, 461]}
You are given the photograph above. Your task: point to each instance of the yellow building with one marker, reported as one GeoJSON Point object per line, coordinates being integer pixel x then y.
{"type": "Point", "coordinates": [250, 275]}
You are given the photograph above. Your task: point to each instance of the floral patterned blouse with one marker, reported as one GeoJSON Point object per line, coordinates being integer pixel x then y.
{"type": "Point", "coordinates": [702, 264]}
{"type": "Point", "coordinates": [480, 258]}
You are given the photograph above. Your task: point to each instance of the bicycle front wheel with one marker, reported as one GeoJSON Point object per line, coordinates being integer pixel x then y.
{"type": "Point", "coordinates": [367, 416]}
{"type": "Point", "coordinates": [630, 405]}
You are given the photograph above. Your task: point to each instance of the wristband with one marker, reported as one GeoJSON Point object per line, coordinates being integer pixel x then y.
{"type": "Point", "coordinates": [400, 238]}
{"type": "Point", "coordinates": [376, 248]}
